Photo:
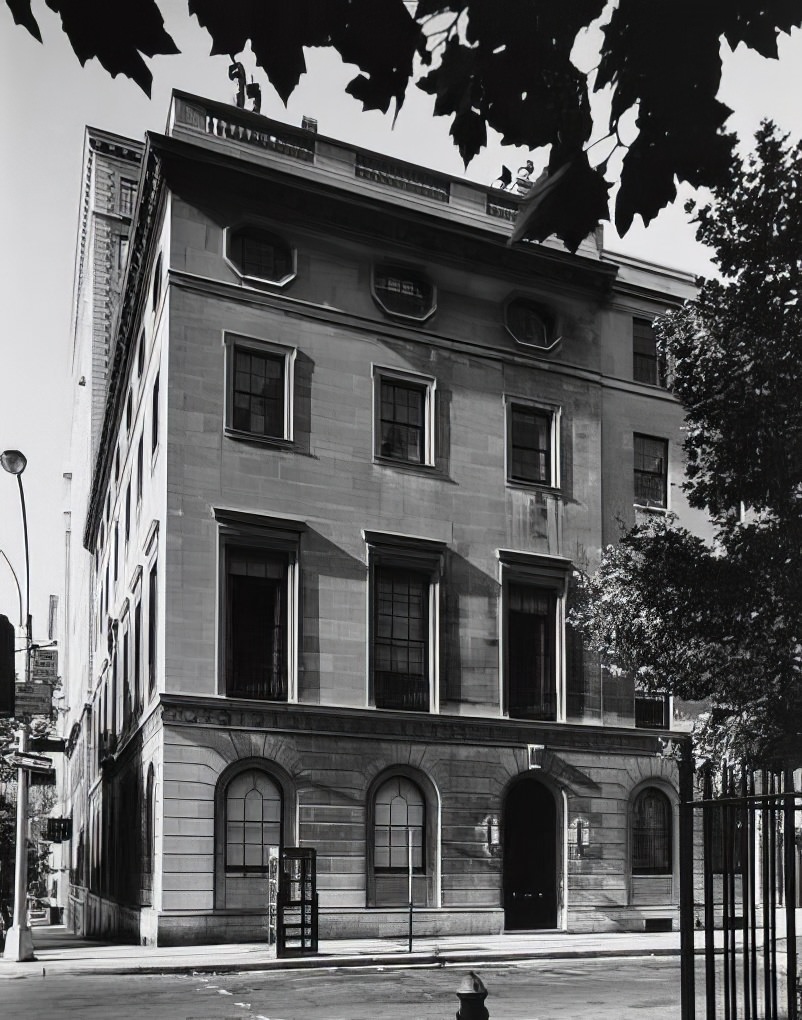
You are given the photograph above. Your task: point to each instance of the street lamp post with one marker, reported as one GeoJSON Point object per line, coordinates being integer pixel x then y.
{"type": "Point", "coordinates": [19, 944]}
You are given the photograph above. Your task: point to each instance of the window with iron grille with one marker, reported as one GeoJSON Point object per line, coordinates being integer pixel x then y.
{"type": "Point", "coordinates": [531, 672]}
{"type": "Point", "coordinates": [651, 471]}
{"type": "Point", "coordinates": [530, 445]}
{"type": "Point", "coordinates": [253, 810]}
{"type": "Point", "coordinates": [399, 819]}
{"type": "Point", "coordinates": [401, 639]}
{"type": "Point", "coordinates": [260, 255]}
{"type": "Point", "coordinates": [403, 293]}
{"type": "Point", "coordinates": [256, 623]}
{"type": "Point", "coordinates": [651, 711]}
{"type": "Point", "coordinates": [403, 428]}
{"type": "Point", "coordinates": [648, 366]}
{"type": "Point", "coordinates": [257, 403]}
{"type": "Point", "coordinates": [651, 833]}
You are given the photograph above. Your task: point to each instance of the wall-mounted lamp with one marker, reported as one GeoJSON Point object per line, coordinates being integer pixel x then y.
{"type": "Point", "coordinates": [493, 834]}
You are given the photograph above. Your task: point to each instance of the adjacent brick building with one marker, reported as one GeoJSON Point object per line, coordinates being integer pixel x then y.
{"type": "Point", "coordinates": [354, 449]}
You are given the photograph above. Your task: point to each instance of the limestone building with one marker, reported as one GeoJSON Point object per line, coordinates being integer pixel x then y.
{"type": "Point", "coordinates": [354, 449]}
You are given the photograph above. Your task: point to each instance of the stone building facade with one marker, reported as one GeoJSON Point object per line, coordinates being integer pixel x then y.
{"type": "Point", "coordinates": [354, 450]}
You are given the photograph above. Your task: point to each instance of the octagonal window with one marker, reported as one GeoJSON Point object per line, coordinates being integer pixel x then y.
{"type": "Point", "coordinates": [258, 254]}
{"type": "Point", "coordinates": [404, 293]}
{"type": "Point", "coordinates": [530, 324]}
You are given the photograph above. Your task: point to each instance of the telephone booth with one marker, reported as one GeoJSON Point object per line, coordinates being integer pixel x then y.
{"type": "Point", "coordinates": [296, 914]}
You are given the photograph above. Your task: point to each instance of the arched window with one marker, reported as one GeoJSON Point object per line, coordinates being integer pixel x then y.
{"type": "Point", "coordinates": [400, 817]}
{"type": "Point", "coordinates": [254, 813]}
{"type": "Point", "coordinates": [651, 833]}
{"type": "Point", "coordinates": [253, 822]}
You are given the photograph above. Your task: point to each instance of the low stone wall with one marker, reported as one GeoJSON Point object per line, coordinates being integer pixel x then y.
{"type": "Point", "coordinates": [394, 923]}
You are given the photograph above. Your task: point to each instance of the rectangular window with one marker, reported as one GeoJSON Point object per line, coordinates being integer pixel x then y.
{"type": "Point", "coordinates": [651, 712]}
{"type": "Point", "coordinates": [122, 253]}
{"type": "Point", "coordinates": [404, 418]}
{"type": "Point", "coordinates": [137, 638]}
{"type": "Point", "coordinates": [651, 471]}
{"type": "Point", "coordinates": [127, 705]}
{"type": "Point", "coordinates": [530, 445]}
{"type": "Point", "coordinates": [116, 548]}
{"type": "Point", "coordinates": [152, 625]}
{"type": "Point", "coordinates": [401, 639]}
{"type": "Point", "coordinates": [127, 512]}
{"type": "Point", "coordinates": [127, 196]}
{"type": "Point", "coordinates": [140, 353]}
{"type": "Point", "coordinates": [531, 668]}
{"type": "Point", "coordinates": [256, 623]}
{"type": "Point", "coordinates": [257, 393]}
{"type": "Point", "coordinates": [647, 364]}
{"type": "Point", "coordinates": [139, 463]}
{"type": "Point", "coordinates": [154, 417]}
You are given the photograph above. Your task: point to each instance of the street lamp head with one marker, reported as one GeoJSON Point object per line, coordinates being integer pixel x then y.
{"type": "Point", "coordinates": [13, 461]}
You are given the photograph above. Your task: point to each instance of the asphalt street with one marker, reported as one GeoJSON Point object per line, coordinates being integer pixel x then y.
{"type": "Point", "coordinates": [597, 989]}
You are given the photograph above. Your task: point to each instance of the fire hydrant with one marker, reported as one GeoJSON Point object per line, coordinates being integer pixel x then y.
{"type": "Point", "coordinates": [472, 994]}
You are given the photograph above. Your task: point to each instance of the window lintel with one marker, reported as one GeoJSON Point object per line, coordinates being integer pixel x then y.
{"type": "Point", "coordinates": [405, 550]}
{"type": "Point", "coordinates": [266, 526]}
{"type": "Point", "coordinates": [537, 568]}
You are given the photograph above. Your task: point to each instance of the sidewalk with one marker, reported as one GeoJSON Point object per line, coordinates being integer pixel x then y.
{"type": "Point", "coordinates": [59, 952]}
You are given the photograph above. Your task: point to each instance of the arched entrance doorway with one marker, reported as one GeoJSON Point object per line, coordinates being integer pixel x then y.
{"type": "Point", "coordinates": [530, 857]}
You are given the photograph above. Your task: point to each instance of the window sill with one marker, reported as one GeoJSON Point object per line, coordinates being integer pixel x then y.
{"type": "Point", "coordinates": [518, 483]}
{"type": "Point", "coordinates": [405, 465]}
{"type": "Point", "coordinates": [663, 510]}
{"type": "Point", "coordinates": [250, 437]}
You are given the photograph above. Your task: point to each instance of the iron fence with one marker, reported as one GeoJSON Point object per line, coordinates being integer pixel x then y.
{"type": "Point", "coordinates": [744, 872]}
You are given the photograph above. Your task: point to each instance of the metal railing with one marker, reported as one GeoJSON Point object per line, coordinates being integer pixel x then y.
{"type": "Point", "coordinates": [402, 176]}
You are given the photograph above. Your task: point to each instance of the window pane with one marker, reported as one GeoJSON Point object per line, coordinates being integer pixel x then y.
{"type": "Point", "coordinates": [256, 624]}
{"type": "Point", "coordinates": [647, 365]}
{"type": "Point", "coordinates": [650, 471]}
{"type": "Point", "coordinates": [392, 832]}
{"type": "Point", "coordinates": [531, 682]}
{"type": "Point", "coordinates": [400, 641]}
{"type": "Point", "coordinates": [402, 425]}
{"type": "Point", "coordinates": [260, 254]}
{"type": "Point", "coordinates": [411, 295]}
{"type": "Point", "coordinates": [257, 397]}
{"type": "Point", "coordinates": [651, 834]}
{"type": "Point", "coordinates": [530, 445]}
{"type": "Point", "coordinates": [251, 796]}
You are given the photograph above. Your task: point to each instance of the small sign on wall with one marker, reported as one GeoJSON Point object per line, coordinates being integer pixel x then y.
{"type": "Point", "coordinates": [536, 752]}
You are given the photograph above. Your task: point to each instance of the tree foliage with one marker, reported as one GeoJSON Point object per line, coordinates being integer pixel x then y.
{"type": "Point", "coordinates": [724, 622]}
{"type": "Point", "coordinates": [506, 66]}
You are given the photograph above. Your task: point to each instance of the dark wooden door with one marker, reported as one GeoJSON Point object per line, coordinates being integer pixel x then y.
{"type": "Point", "coordinates": [530, 857]}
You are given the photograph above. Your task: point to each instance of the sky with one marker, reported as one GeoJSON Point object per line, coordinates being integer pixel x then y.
{"type": "Point", "coordinates": [47, 98]}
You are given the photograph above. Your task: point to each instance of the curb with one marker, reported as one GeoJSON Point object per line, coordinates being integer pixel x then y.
{"type": "Point", "coordinates": [395, 960]}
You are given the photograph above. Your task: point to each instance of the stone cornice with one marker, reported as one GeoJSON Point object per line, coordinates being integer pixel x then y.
{"type": "Point", "coordinates": [227, 713]}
